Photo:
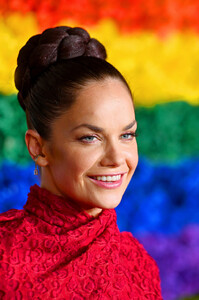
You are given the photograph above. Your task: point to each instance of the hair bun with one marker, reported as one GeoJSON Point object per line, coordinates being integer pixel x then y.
{"type": "Point", "coordinates": [72, 46]}
{"type": "Point", "coordinates": [41, 57]}
{"type": "Point", "coordinates": [96, 49]}
{"type": "Point", "coordinates": [81, 32]}
{"type": "Point", "coordinates": [53, 35]}
{"type": "Point", "coordinates": [53, 45]}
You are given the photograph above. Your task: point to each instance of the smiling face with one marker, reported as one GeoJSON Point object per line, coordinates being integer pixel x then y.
{"type": "Point", "coordinates": [92, 153]}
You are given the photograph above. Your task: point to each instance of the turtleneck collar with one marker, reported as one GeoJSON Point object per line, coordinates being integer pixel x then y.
{"type": "Point", "coordinates": [59, 251]}
{"type": "Point", "coordinates": [58, 211]}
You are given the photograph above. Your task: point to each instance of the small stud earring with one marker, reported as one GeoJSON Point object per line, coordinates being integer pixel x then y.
{"type": "Point", "coordinates": [36, 172]}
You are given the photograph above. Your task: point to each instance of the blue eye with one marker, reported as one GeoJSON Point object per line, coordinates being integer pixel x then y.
{"type": "Point", "coordinates": [88, 138]}
{"type": "Point", "coordinates": [129, 135]}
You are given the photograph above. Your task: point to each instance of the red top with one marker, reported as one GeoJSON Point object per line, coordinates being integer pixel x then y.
{"type": "Point", "coordinates": [54, 250]}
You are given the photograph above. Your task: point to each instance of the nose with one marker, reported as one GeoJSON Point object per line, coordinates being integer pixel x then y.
{"type": "Point", "coordinates": [112, 156]}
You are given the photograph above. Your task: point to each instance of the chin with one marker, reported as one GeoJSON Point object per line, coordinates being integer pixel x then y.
{"type": "Point", "coordinates": [111, 203]}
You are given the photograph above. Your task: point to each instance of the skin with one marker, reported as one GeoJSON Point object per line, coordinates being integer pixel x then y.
{"type": "Point", "coordinates": [76, 152]}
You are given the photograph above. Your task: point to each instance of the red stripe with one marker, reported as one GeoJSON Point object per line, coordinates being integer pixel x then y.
{"type": "Point", "coordinates": [130, 15]}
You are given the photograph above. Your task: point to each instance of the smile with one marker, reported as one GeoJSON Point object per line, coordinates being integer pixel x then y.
{"type": "Point", "coordinates": [107, 181]}
{"type": "Point", "coordinates": [107, 178]}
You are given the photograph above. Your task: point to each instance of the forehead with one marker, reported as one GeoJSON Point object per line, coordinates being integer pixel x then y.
{"type": "Point", "coordinates": [107, 86]}
{"type": "Point", "coordinates": [106, 95]}
{"type": "Point", "coordinates": [102, 103]}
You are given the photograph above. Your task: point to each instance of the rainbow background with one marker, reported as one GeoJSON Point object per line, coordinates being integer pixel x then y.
{"type": "Point", "coordinates": [155, 44]}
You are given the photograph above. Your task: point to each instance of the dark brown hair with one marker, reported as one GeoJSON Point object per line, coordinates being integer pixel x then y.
{"type": "Point", "coordinates": [52, 68]}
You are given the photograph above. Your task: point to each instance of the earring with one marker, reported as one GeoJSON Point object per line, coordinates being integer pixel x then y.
{"type": "Point", "coordinates": [36, 171]}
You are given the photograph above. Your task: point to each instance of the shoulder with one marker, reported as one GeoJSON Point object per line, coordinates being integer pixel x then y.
{"type": "Point", "coordinates": [10, 215]}
{"type": "Point", "coordinates": [135, 251]}
{"type": "Point", "coordinates": [142, 266]}
{"type": "Point", "coordinates": [11, 237]}
{"type": "Point", "coordinates": [10, 218]}
{"type": "Point", "coordinates": [131, 245]}
{"type": "Point", "coordinates": [11, 223]}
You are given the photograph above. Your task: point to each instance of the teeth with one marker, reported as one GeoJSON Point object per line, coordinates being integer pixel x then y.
{"type": "Point", "coordinates": [108, 178]}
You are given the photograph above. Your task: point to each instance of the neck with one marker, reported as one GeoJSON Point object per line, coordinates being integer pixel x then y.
{"type": "Point", "coordinates": [48, 183]}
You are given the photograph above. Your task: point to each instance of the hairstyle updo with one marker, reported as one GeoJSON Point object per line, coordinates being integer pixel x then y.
{"type": "Point", "coordinates": [52, 68]}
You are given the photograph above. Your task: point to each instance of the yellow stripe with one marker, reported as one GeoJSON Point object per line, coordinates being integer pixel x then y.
{"type": "Point", "coordinates": [15, 30]}
{"type": "Point", "coordinates": [157, 70]}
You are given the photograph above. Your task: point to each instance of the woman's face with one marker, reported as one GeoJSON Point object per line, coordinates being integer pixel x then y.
{"type": "Point", "coordinates": [92, 154]}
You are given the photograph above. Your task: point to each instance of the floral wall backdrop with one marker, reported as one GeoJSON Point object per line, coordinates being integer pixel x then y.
{"type": "Point", "coordinates": [155, 44]}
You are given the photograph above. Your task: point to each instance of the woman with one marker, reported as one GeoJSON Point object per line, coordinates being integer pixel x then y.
{"type": "Point", "coordinates": [65, 243]}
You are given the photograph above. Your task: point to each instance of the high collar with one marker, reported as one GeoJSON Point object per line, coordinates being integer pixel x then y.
{"type": "Point", "coordinates": [58, 211]}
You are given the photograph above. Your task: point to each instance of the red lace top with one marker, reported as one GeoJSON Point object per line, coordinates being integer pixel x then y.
{"type": "Point", "coordinates": [54, 250]}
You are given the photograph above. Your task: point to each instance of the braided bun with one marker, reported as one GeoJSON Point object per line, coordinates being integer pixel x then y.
{"type": "Point", "coordinates": [53, 45]}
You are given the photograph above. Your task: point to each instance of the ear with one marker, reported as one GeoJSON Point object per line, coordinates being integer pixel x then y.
{"type": "Point", "coordinates": [35, 145]}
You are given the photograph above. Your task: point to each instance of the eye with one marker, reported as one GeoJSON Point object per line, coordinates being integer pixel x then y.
{"type": "Point", "coordinates": [88, 138]}
{"type": "Point", "coordinates": [128, 135]}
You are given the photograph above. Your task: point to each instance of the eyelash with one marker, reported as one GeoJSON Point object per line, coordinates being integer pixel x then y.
{"type": "Point", "coordinates": [83, 138]}
{"type": "Point", "coordinates": [132, 134]}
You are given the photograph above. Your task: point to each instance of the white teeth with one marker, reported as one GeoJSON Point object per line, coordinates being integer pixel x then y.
{"type": "Point", "coordinates": [108, 178]}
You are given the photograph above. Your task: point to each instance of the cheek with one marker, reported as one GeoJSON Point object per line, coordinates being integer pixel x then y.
{"type": "Point", "coordinates": [78, 161]}
{"type": "Point", "coordinates": [132, 157]}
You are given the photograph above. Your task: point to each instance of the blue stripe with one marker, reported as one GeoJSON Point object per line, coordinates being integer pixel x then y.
{"type": "Point", "coordinates": [160, 198]}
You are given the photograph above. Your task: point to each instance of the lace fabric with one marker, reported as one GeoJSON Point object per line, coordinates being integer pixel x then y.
{"type": "Point", "coordinates": [54, 250]}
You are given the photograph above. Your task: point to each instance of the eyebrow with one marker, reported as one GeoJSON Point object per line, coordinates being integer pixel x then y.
{"type": "Point", "coordinates": [100, 129]}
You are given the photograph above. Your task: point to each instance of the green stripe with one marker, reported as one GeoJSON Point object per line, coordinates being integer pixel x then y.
{"type": "Point", "coordinates": [167, 132]}
{"type": "Point", "coordinates": [12, 130]}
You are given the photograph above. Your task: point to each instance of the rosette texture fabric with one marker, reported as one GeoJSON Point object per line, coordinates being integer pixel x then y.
{"type": "Point", "coordinates": [53, 250]}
